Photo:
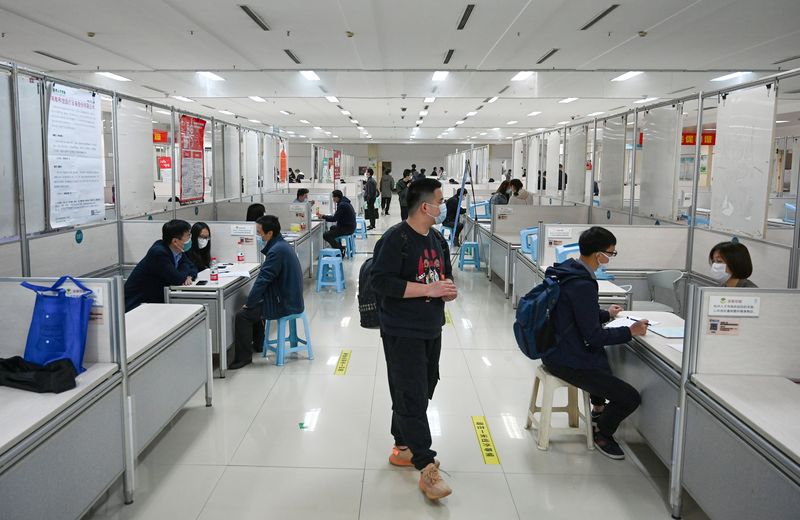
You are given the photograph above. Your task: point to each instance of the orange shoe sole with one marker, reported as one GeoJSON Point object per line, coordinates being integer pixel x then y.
{"type": "Point", "coordinates": [429, 497]}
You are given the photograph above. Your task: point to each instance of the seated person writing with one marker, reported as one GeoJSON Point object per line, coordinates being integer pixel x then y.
{"type": "Point", "coordinates": [344, 221]}
{"type": "Point", "coordinates": [277, 292]}
{"type": "Point", "coordinates": [200, 253]}
{"type": "Point", "coordinates": [731, 265]}
{"type": "Point", "coordinates": [579, 357]}
{"type": "Point", "coordinates": [164, 264]}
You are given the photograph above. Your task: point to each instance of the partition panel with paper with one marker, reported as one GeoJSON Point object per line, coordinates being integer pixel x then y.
{"type": "Point", "coordinates": [770, 261]}
{"type": "Point", "coordinates": [612, 163]}
{"type": "Point", "coordinates": [9, 218]}
{"type": "Point", "coordinates": [75, 252]}
{"type": "Point", "coordinates": [137, 158]}
{"type": "Point", "coordinates": [507, 221]}
{"type": "Point", "coordinates": [534, 158]}
{"type": "Point", "coordinates": [658, 176]}
{"type": "Point", "coordinates": [31, 90]}
{"type": "Point", "coordinates": [251, 164]}
{"type": "Point", "coordinates": [576, 164]}
{"type": "Point", "coordinates": [16, 309]}
{"type": "Point", "coordinates": [553, 159]}
{"type": "Point", "coordinates": [641, 248]}
{"type": "Point", "coordinates": [230, 139]}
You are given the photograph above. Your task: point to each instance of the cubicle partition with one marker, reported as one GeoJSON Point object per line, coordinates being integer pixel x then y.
{"type": "Point", "coordinates": [738, 405]}
{"type": "Point", "coordinates": [89, 250]}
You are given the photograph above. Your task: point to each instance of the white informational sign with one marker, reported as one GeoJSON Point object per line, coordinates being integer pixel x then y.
{"type": "Point", "coordinates": [559, 232]}
{"type": "Point", "coordinates": [74, 153]}
{"type": "Point", "coordinates": [734, 306]}
{"type": "Point", "coordinates": [503, 210]}
{"type": "Point", "coordinates": [243, 230]}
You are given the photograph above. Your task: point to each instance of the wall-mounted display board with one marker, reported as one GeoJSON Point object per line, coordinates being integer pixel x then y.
{"type": "Point", "coordinates": [193, 176]}
{"type": "Point", "coordinates": [660, 166]}
{"type": "Point", "coordinates": [553, 159]}
{"type": "Point", "coordinates": [742, 161]}
{"type": "Point", "coordinates": [612, 162]}
{"type": "Point", "coordinates": [576, 164]}
{"type": "Point", "coordinates": [75, 157]}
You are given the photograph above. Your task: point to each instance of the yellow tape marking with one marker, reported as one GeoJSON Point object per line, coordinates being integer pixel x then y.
{"type": "Point", "coordinates": [344, 360]}
{"type": "Point", "coordinates": [448, 319]}
{"type": "Point", "coordinates": [485, 441]}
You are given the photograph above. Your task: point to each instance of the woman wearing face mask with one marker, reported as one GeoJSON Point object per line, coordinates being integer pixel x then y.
{"type": "Point", "coordinates": [501, 195]}
{"type": "Point", "coordinates": [730, 265]}
{"type": "Point", "coordinates": [200, 253]}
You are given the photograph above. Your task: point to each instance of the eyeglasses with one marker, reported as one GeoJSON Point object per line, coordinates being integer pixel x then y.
{"type": "Point", "coordinates": [610, 254]}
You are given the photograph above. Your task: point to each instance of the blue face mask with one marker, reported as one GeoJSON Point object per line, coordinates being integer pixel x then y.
{"type": "Point", "coordinates": [187, 245]}
{"type": "Point", "coordinates": [442, 214]}
{"type": "Point", "coordinates": [261, 243]}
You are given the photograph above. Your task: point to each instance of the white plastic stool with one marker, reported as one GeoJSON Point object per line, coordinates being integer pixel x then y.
{"type": "Point", "coordinates": [546, 410]}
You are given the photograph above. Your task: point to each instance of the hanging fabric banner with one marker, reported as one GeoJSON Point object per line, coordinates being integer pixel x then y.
{"type": "Point", "coordinates": [283, 161]}
{"type": "Point", "coordinates": [75, 157]}
{"type": "Point", "coordinates": [193, 177]}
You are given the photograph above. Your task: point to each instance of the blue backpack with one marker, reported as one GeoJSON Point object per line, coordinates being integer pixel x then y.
{"type": "Point", "coordinates": [533, 328]}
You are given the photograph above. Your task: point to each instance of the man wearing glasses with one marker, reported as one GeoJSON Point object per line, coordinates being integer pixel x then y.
{"type": "Point", "coordinates": [579, 357]}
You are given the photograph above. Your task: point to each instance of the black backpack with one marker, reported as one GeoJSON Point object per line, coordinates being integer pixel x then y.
{"type": "Point", "coordinates": [367, 299]}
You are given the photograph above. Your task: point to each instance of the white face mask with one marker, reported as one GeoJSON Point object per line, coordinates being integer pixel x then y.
{"type": "Point", "coordinates": [719, 272]}
{"type": "Point", "coordinates": [202, 242]}
{"type": "Point", "coordinates": [442, 214]}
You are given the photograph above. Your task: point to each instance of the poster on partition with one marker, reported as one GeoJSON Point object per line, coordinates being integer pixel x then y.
{"type": "Point", "coordinates": [337, 165]}
{"type": "Point", "coordinates": [75, 157]}
{"type": "Point", "coordinates": [193, 178]}
{"type": "Point", "coordinates": [283, 160]}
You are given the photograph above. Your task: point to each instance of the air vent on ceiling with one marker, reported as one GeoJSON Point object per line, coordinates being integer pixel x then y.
{"type": "Point", "coordinates": [599, 17]}
{"type": "Point", "coordinates": [156, 90]}
{"type": "Point", "coordinates": [292, 56]}
{"type": "Point", "coordinates": [546, 56]}
{"type": "Point", "coordinates": [255, 17]}
{"type": "Point", "coordinates": [448, 56]}
{"type": "Point", "coordinates": [465, 16]}
{"type": "Point", "coordinates": [784, 60]}
{"type": "Point", "coordinates": [503, 89]}
{"type": "Point", "coordinates": [54, 57]}
{"type": "Point", "coordinates": [680, 90]}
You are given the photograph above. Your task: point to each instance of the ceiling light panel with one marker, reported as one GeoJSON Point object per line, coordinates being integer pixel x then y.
{"type": "Point", "coordinates": [184, 99]}
{"type": "Point", "coordinates": [429, 100]}
{"type": "Point", "coordinates": [628, 75]}
{"type": "Point", "coordinates": [210, 75]}
{"type": "Point", "coordinates": [733, 75]}
{"type": "Point", "coordinates": [332, 99]}
{"type": "Point", "coordinates": [522, 75]}
{"type": "Point", "coordinates": [54, 57]}
{"type": "Point", "coordinates": [492, 100]}
{"type": "Point", "coordinates": [440, 75]}
{"type": "Point", "coordinates": [310, 75]}
{"type": "Point", "coordinates": [568, 100]}
{"type": "Point", "coordinates": [534, 113]}
{"type": "Point", "coordinates": [448, 56]}
{"type": "Point", "coordinates": [258, 99]}
{"type": "Point", "coordinates": [292, 56]}
{"type": "Point", "coordinates": [645, 100]}
{"type": "Point", "coordinates": [111, 75]}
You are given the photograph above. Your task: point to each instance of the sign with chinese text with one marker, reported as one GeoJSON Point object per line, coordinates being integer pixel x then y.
{"type": "Point", "coordinates": [160, 136]}
{"type": "Point", "coordinates": [193, 176]}
{"type": "Point", "coordinates": [734, 306]}
{"type": "Point", "coordinates": [485, 441]}
{"type": "Point", "coordinates": [708, 138]}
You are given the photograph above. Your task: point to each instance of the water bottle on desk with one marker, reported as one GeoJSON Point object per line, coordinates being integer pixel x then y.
{"type": "Point", "coordinates": [214, 274]}
{"type": "Point", "coordinates": [240, 255]}
{"type": "Point", "coordinates": [214, 262]}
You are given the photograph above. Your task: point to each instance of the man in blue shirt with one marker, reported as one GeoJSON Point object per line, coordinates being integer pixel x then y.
{"type": "Point", "coordinates": [164, 264]}
{"type": "Point", "coordinates": [277, 292]}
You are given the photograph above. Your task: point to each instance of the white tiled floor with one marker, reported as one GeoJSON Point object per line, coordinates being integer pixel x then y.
{"type": "Point", "coordinates": [248, 457]}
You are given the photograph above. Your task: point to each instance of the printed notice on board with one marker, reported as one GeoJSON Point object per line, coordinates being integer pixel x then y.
{"type": "Point", "coordinates": [192, 166]}
{"type": "Point", "coordinates": [723, 328]}
{"type": "Point", "coordinates": [559, 232]}
{"type": "Point", "coordinates": [75, 157]}
{"type": "Point", "coordinates": [734, 306]}
{"type": "Point", "coordinates": [243, 230]}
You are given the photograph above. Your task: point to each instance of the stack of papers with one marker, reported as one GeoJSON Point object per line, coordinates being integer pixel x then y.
{"type": "Point", "coordinates": [626, 321]}
{"type": "Point", "coordinates": [234, 274]}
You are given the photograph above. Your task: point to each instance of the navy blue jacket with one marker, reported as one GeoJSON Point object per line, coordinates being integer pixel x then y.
{"type": "Point", "coordinates": [578, 321]}
{"type": "Point", "coordinates": [154, 272]}
{"type": "Point", "coordinates": [345, 216]}
{"type": "Point", "coordinates": [279, 286]}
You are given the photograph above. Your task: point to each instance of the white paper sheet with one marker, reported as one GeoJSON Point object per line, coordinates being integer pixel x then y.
{"type": "Point", "coordinates": [676, 346]}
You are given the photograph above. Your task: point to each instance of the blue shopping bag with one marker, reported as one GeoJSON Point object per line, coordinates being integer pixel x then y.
{"type": "Point", "coordinates": [59, 324]}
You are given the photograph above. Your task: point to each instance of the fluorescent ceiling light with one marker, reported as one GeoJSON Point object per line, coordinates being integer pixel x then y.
{"type": "Point", "coordinates": [628, 75]}
{"type": "Point", "coordinates": [226, 112]}
{"type": "Point", "coordinates": [568, 100]}
{"type": "Point", "coordinates": [354, 121]}
{"type": "Point", "coordinates": [327, 133]}
{"type": "Point", "coordinates": [284, 112]}
{"type": "Point", "coordinates": [305, 122]}
{"type": "Point", "coordinates": [645, 100]}
{"type": "Point", "coordinates": [165, 112]}
{"type": "Point", "coordinates": [540, 129]}
{"type": "Point", "coordinates": [451, 129]}
{"type": "Point", "coordinates": [345, 112]}
{"type": "Point", "coordinates": [595, 114]}
{"type": "Point", "coordinates": [440, 75]}
{"type": "Point", "coordinates": [111, 75]}
{"type": "Point", "coordinates": [492, 100]}
{"type": "Point", "coordinates": [495, 129]}
{"type": "Point", "coordinates": [210, 75]}
{"type": "Point", "coordinates": [360, 127]}
{"type": "Point", "coordinates": [512, 122]}
{"type": "Point", "coordinates": [522, 75]}
{"type": "Point", "coordinates": [733, 75]}
{"type": "Point", "coordinates": [781, 121]}
{"type": "Point", "coordinates": [563, 123]}
{"type": "Point", "coordinates": [534, 113]}
{"type": "Point", "coordinates": [419, 121]}
{"type": "Point", "coordinates": [317, 128]}
{"type": "Point", "coordinates": [184, 99]}
{"type": "Point", "coordinates": [483, 133]}
{"type": "Point", "coordinates": [302, 136]}
{"type": "Point", "coordinates": [429, 99]}
{"type": "Point", "coordinates": [258, 99]}
{"type": "Point", "coordinates": [423, 113]}
{"type": "Point", "coordinates": [254, 120]}
{"type": "Point", "coordinates": [335, 136]}
{"type": "Point", "coordinates": [310, 75]}
{"type": "Point", "coordinates": [460, 122]}
{"type": "Point", "coordinates": [332, 99]}
{"type": "Point", "coordinates": [289, 132]}
{"type": "Point", "coordinates": [153, 121]}
{"type": "Point", "coordinates": [470, 114]}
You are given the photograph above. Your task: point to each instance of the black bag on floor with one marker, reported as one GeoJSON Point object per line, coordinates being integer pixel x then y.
{"type": "Point", "coordinates": [57, 376]}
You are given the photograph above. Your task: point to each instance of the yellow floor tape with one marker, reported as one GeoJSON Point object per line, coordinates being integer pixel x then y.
{"type": "Point", "coordinates": [344, 360]}
{"type": "Point", "coordinates": [485, 441]}
{"type": "Point", "coordinates": [448, 319]}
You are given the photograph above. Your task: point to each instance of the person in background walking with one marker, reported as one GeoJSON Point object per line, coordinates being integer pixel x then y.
{"type": "Point", "coordinates": [402, 193]}
{"type": "Point", "coordinates": [414, 172]}
{"type": "Point", "coordinates": [370, 197]}
{"type": "Point", "coordinates": [387, 187]}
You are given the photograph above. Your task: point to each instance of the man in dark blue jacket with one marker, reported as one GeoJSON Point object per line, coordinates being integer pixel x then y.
{"type": "Point", "coordinates": [579, 358]}
{"type": "Point", "coordinates": [277, 292]}
{"type": "Point", "coordinates": [345, 219]}
{"type": "Point", "coordinates": [164, 264]}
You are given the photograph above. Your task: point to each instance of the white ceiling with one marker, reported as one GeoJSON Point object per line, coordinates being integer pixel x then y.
{"type": "Point", "coordinates": [388, 63]}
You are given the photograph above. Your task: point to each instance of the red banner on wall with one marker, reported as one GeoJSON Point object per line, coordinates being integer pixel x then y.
{"type": "Point", "coordinates": [708, 138]}
{"type": "Point", "coordinates": [337, 164]}
{"type": "Point", "coordinates": [160, 136]}
{"type": "Point", "coordinates": [283, 160]}
{"type": "Point", "coordinates": [193, 175]}
{"type": "Point", "coordinates": [164, 162]}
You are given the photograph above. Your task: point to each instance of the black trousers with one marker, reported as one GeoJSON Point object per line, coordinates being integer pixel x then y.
{"type": "Point", "coordinates": [602, 385]}
{"type": "Point", "coordinates": [249, 333]}
{"type": "Point", "coordinates": [385, 203]}
{"type": "Point", "coordinates": [403, 212]}
{"type": "Point", "coordinates": [413, 368]}
{"type": "Point", "coordinates": [371, 213]}
{"type": "Point", "coordinates": [336, 231]}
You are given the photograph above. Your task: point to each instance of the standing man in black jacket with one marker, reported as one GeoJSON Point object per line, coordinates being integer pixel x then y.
{"type": "Point", "coordinates": [371, 196]}
{"type": "Point", "coordinates": [387, 187]}
{"type": "Point", "coordinates": [164, 264]}
{"type": "Point", "coordinates": [579, 358]}
{"type": "Point", "coordinates": [345, 219]}
{"type": "Point", "coordinates": [402, 193]}
{"type": "Point", "coordinates": [412, 277]}
{"type": "Point", "coordinates": [277, 292]}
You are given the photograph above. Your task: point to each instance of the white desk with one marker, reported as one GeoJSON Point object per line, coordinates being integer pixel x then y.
{"type": "Point", "coordinates": [222, 299]}
{"type": "Point", "coordinates": [659, 345]}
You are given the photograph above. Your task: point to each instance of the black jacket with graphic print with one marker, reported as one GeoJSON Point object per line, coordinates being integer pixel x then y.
{"type": "Point", "coordinates": [402, 255]}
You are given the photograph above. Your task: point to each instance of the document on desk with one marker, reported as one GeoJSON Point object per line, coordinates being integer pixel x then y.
{"type": "Point", "coordinates": [637, 318]}
{"type": "Point", "coordinates": [234, 274]}
{"type": "Point", "coordinates": [676, 346]}
{"type": "Point", "coordinates": [625, 321]}
{"type": "Point", "coordinates": [668, 332]}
